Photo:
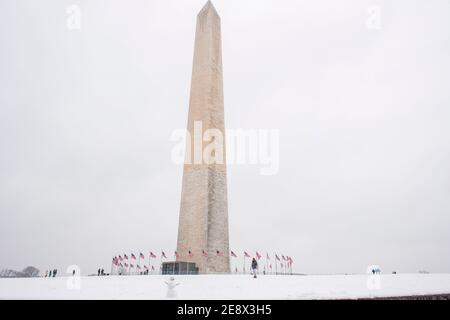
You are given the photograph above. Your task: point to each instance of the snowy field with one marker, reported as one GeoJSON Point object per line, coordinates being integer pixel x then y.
{"type": "Point", "coordinates": [226, 287]}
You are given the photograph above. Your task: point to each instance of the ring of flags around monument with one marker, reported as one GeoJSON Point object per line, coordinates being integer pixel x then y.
{"type": "Point", "coordinates": [123, 265]}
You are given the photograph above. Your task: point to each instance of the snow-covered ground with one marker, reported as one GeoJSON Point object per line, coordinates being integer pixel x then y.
{"type": "Point", "coordinates": [226, 287]}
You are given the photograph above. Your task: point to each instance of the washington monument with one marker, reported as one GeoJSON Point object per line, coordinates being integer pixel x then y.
{"type": "Point", "coordinates": [203, 224]}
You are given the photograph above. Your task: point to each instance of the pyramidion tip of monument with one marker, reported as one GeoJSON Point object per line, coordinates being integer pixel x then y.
{"type": "Point", "coordinates": [208, 7]}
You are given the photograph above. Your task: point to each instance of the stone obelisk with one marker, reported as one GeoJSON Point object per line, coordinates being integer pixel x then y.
{"type": "Point", "coordinates": [203, 222]}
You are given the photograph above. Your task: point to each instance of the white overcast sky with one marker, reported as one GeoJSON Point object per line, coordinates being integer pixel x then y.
{"type": "Point", "coordinates": [86, 118]}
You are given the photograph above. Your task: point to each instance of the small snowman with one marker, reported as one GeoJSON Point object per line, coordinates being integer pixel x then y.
{"type": "Point", "coordinates": [171, 293]}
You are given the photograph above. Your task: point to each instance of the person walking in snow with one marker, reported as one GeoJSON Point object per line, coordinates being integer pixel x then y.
{"type": "Point", "coordinates": [254, 267]}
{"type": "Point", "coordinates": [171, 293]}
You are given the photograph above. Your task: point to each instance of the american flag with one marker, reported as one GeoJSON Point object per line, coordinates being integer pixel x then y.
{"type": "Point", "coordinates": [219, 253]}
{"type": "Point", "coordinates": [141, 255]}
{"type": "Point", "coordinates": [233, 254]}
{"type": "Point", "coordinates": [277, 257]}
{"type": "Point", "coordinates": [190, 254]}
{"type": "Point", "coordinates": [163, 255]}
{"type": "Point", "coordinates": [246, 255]}
{"type": "Point", "coordinates": [125, 257]}
{"type": "Point", "coordinates": [258, 256]}
{"type": "Point", "coordinates": [204, 253]}
{"type": "Point", "coordinates": [120, 258]}
{"type": "Point", "coordinates": [152, 255]}
{"type": "Point", "coordinates": [133, 256]}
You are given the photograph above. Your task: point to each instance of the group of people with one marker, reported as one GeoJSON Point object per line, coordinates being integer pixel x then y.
{"type": "Point", "coordinates": [101, 272]}
{"type": "Point", "coordinates": [377, 271]}
{"type": "Point", "coordinates": [50, 273]}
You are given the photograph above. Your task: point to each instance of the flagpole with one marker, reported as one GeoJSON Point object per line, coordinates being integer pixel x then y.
{"type": "Point", "coordinates": [267, 265]}
{"type": "Point", "coordinates": [149, 264]}
{"type": "Point", "coordinates": [139, 261]}
{"type": "Point", "coordinates": [129, 266]}
{"type": "Point", "coordinates": [276, 266]}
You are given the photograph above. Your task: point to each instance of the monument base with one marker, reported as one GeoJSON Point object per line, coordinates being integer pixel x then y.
{"type": "Point", "coordinates": [179, 267]}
